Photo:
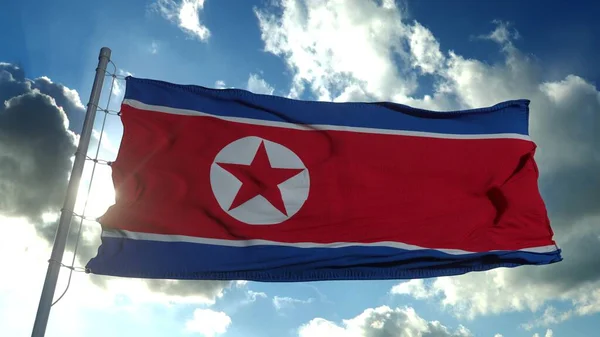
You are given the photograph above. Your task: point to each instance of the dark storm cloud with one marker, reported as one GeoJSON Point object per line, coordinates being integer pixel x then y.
{"type": "Point", "coordinates": [36, 147]}
{"type": "Point", "coordinates": [572, 193]}
{"type": "Point", "coordinates": [35, 151]}
{"type": "Point", "coordinates": [580, 267]}
{"type": "Point", "coordinates": [66, 98]}
{"type": "Point", "coordinates": [567, 129]}
{"type": "Point", "coordinates": [209, 289]}
{"type": "Point", "coordinates": [13, 83]}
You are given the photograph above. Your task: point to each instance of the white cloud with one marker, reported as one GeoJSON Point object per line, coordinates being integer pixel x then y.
{"type": "Point", "coordinates": [208, 323]}
{"type": "Point", "coordinates": [107, 148]}
{"type": "Point", "coordinates": [549, 333]}
{"type": "Point", "coordinates": [70, 94]}
{"type": "Point", "coordinates": [254, 295]}
{"type": "Point", "coordinates": [288, 302]}
{"type": "Point", "coordinates": [154, 47]}
{"type": "Point", "coordinates": [186, 14]}
{"type": "Point", "coordinates": [328, 44]}
{"type": "Point", "coordinates": [550, 316]}
{"type": "Point", "coordinates": [78, 311]}
{"type": "Point", "coordinates": [381, 322]}
{"type": "Point", "coordinates": [220, 84]}
{"type": "Point", "coordinates": [118, 89]}
{"type": "Point", "coordinates": [502, 33]}
{"type": "Point", "coordinates": [258, 85]}
{"type": "Point", "coordinates": [504, 290]}
{"type": "Point", "coordinates": [476, 293]}
{"type": "Point", "coordinates": [320, 327]}
{"type": "Point", "coordinates": [584, 302]}
{"type": "Point", "coordinates": [425, 50]}
{"type": "Point", "coordinates": [359, 50]}
{"type": "Point", "coordinates": [416, 288]}
{"type": "Point", "coordinates": [101, 196]}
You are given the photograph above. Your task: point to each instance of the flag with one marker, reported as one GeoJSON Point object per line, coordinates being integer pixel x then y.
{"type": "Point", "coordinates": [224, 184]}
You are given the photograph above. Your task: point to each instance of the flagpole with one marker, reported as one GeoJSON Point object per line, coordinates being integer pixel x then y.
{"type": "Point", "coordinates": [60, 240]}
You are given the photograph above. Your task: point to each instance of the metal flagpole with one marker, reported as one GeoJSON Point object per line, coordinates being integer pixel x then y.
{"type": "Point", "coordinates": [60, 240]}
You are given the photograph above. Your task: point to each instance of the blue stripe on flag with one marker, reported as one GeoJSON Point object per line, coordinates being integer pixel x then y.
{"type": "Point", "coordinates": [510, 117]}
{"type": "Point", "coordinates": [182, 260]}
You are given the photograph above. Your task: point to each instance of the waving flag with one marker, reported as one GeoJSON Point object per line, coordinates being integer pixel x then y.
{"type": "Point", "coordinates": [226, 184]}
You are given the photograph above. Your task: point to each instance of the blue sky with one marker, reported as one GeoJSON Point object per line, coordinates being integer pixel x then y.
{"type": "Point", "coordinates": [432, 54]}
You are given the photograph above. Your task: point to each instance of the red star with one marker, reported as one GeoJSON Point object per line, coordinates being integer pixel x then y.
{"type": "Point", "coordinates": [260, 178]}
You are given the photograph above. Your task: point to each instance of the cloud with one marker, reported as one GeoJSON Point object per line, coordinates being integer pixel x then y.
{"type": "Point", "coordinates": [237, 296]}
{"type": "Point", "coordinates": [425, 52]}
{"type": "Point", "coordinates": [188, 290]}
{"type": "Point", "coordinates": [118, 89]}
{"type": "Point", "coordinates": [575, 284]}
{"type": "Point", "coordinates": [36, 150]}
{"type": "Point", "coordinates": [252, 296]}
{"type": "Point", "coordinates": [106, 143]}
{"type": "Point", "coordinates": [381, 322]}
{"type": "Point", "coordinates": [186, 15]}
{"type": "Point", "coordinates": [78, 311]}
{"type": "Point", "coordinates": [258, 85]}
{"type": "Point", "coordinates": [550, 316]}
{"type": "Point", "coordinates": [14, 83]}
{"type": "Point", "coordinates": [582, 305]}
{"type": "Point", "coordinates": [281, 303]}
{"type": "Point", "coordinates": [208, 323]}
{"type": "Point", "coordinates": [502, 33]}
{"type": "Point", "coordinates": [416, 288]}
{"type": "Point", "coordinates": [26, 256]}
{"type": "Point", "coordinates": [569, 159]}
{"type": "Point", "coordinates": [36, 145]}
{"type": "Point", "coordinates": [549, 333]}
{"type": "Point", "coordinates": [326, 46]}
{"type": "Point", "coordinates": [154, 46]}
{"type": "Point", "coordinates": [220, 84]}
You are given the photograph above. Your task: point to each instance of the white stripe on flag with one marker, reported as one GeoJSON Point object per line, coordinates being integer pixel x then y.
{"type": "Point", "coordinates": [320, 127]}
{"type": "Point", "coordinates": [257, 242]}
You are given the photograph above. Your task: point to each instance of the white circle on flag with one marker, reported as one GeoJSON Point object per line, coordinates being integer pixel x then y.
{"type": "Point", "coordinates": [258, 210]}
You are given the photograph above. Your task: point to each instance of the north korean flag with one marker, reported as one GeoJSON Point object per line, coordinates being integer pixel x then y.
{"type": "Point", "coordinates": [226, 184]}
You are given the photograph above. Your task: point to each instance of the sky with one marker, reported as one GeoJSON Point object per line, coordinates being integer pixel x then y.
{"type": "Point", "coordinates": [432, 54]}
